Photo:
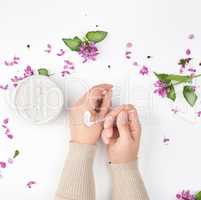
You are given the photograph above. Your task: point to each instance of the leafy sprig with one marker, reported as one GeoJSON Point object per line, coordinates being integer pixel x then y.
{"type": "Point", "coordinates": [91, 36]}
{"type": "Point", "coordinates": [171, 80]}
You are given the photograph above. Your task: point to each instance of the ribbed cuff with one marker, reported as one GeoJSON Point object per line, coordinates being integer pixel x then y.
{"type": "Point", "coordinates": [81, 151]}
{"type": "Point", "coordinates": [127, 182]}
{"type": "Point", "coordinates": [77, 178]}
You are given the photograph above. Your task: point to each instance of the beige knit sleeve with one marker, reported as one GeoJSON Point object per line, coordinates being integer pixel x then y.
{"type": "Point", "coordinates": [127, 182]}
{"type": "Point", "coordinates": [77, 181]}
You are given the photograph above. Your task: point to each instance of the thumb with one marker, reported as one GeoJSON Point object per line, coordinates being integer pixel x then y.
{"type": "Point", "coordinates": [123, 124]}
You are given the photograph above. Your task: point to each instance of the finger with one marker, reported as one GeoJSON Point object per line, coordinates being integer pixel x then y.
{"type": "Point", "coordinates": [112, 115]}
{"type": "Point", "coordinates": [123, 125]}
{"type": "Point", "coordinates": [106, 104]}
{"type": "Point", "coordinates": [108, 132]}
{"type": "Point", "coordinates": [105, 139]}
{"type": "Point", "coordinates": [96, 96]}
{"type": "Point", "coordinates": [134, 124]}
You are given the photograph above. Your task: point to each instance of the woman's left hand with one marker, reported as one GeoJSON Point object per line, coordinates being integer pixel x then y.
{"type": "Point", "coordinates": [98, 101]}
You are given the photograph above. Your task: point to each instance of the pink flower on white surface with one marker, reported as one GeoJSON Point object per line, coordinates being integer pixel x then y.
{"type": "Point", "coordinates": [192, 70]}
{"type": "Point", "coordinates": [61, 52]}
{"type": "Point", "coordinates": [185, 195]}
{"type": "Point", "coordinates": [129, 45]}
{"type": "Point", "coordinates": [2, 164]}
{"type": "Point", "coordinates": [5, 121]}
{"type": "Point", "coordinates": [128, 54]}
{"type": "Point", "coordinates": [14, 61]}
{"type": "Point", "coordinates": [49, 48]}
{"type": "Point", "coordinates": [135, 63]}
{"type": "Point", "coordinates": [188, 52]}
{"type": "Point", "coordinates": [191, 36]}
{"type": "Point", "coordinates": [30, 184]}
{"type": "Point", "coordinates": [166, 140]}
{"type": "Point", "coordinates": [199, 113]}
{"type": "Point", "coordinates": [4, 87]}
{"type": "Point", "coordinates": [161, 88]}
{"type": "Point", "coordinates": [10, 161]}
{"type": "Point", "coordinates": [88, 51]}
{"type": "Point", "coordinates": [67, 68]}
{"type": "Point", "coordinates": [144, 70]}
{"type": "Point", "coordinates": [28, 71]}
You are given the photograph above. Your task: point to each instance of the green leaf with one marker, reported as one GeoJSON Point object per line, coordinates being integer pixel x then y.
{"type": "Point", "coordinates": [73, 44]}
{"type": "Point", "coordinates": [43, 71]}
{"type": "Point", "coordinates": [17, 152]}
{"type": "Point", "coordinates": [198, 196]}
{"type": "Point", "coordinates": [96, 36]}
{"type": "Point", "coordinates": [173, 77]}
{"type": "Point", "coordinates": [171, 94]}
{"type": "Point", "coordinates": [190, 95]}
{"type": "Point", "coordinates": [161, 77]}
{"type": "Point", "coordinates": [179, 78]}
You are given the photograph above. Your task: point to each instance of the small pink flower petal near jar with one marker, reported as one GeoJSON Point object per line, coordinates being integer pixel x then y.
{"type": "Point", "coordinates": [2, 165]}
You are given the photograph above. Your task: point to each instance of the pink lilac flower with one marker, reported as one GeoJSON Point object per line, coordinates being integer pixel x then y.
{"type": "Point", "coordinates": [166, 140]}
{"type": "Point", "coordinates": [61, 53]}
{"type": "Point", "coordinates": [14, 61]}
{"type": "Point", "coordinates": [144, 70]}
{"type": "Point", "coordinates": [30, 184]}
{"type": "Point", "coordinates": [199, 113]}
{"type": "Point", "coordinates": [191, 36]}
{"type": "Point", "coordinates": [49, 48]}
{"type": "Point", "coordinates": [175, 110]}
{"type": "Point", "coordinates": [88, 51]}
{"type": "Point", "coordinates": [135, 63]}
{"type": "Point", "coordinates": [185, 195]}
{"type": "Point", "coordinates": [129, 45]}
{"type": "Point", "coordinates": [10, 161]}
{"type": "Point", "coordinates": [67, 68]}
{"type": "Point", "coordinates": [2, 165]}
{"type": "Point", "coordinates": [188, 52]}
{"type": "Point", "coordinates": [28, 71]}
{"type": "Point", "coordinates": [128, 54]}
{"type": "Point", "coordinates": [4, 87]}
{"type": "Point", "coordinates": [192, 70]}
{"type": "Point", "coordinates": [161, 88]}
{"type": "Point", "coordinates": [5, 121]}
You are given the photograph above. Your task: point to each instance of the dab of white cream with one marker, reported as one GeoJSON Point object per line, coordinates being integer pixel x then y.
{"type": "Point", "coordinates": [87, 119]}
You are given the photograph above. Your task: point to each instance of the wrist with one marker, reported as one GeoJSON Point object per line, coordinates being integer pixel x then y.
{"type": "Point", "coordinates": [78, 151]}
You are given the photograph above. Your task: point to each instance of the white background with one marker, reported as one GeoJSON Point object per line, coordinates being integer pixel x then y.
{"type": "Point", "coordinates": [158, 28]}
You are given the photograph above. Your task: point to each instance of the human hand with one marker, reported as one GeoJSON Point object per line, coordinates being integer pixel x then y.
{"type": "Point", "coordinates": [98, 101]}
{"type": "Point", "coordinates": [124, 137]}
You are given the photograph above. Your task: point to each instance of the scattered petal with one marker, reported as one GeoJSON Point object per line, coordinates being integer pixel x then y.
{"type": "Point", "coordinates": [144, 70]}
{"type": "Point", "coordinates": [61, 53]}
{"type": "Point", "coordinates": [5, 121]}
{"type": "Point", "coordinates": [49, 48]}
{"type": "Point", "coordinates": [2, 165]}
{"type": "Point", "coordinates": [135, 63]}
{"type": "Point", "coordinates": [166, 140]}
{"type": "Point", "coordinates": [67, 68]}
{"type": "Point", "coordinates": [10, 161]}
{"type": "Point", "coordinates": [30, 184]}
{"type": "Point", "coordinates": [191, 36]}
{"type": "Point", "coordinates": [188, 52]}
{"type": "Point", "coordinates": [4, 87]}
{"type": "Point", "coordinates": [129, 45]}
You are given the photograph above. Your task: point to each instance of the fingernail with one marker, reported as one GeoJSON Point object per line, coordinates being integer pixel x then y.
{"type": "Point", "coordinates": [123, 118]}
{"type": "Point", "coordinates": [104, 92]}
{"type": "Point", "coordinates": [108, 122]}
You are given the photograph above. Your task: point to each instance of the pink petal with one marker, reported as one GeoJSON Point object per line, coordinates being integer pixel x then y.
{"type": "Point", "coordinates": [188, 52]}
{"type": "Point", "coordinates": [2, 165]}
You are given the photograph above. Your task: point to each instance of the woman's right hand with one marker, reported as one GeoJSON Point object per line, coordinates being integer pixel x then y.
{"type": "Point", "coordinates": [122, 134]}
